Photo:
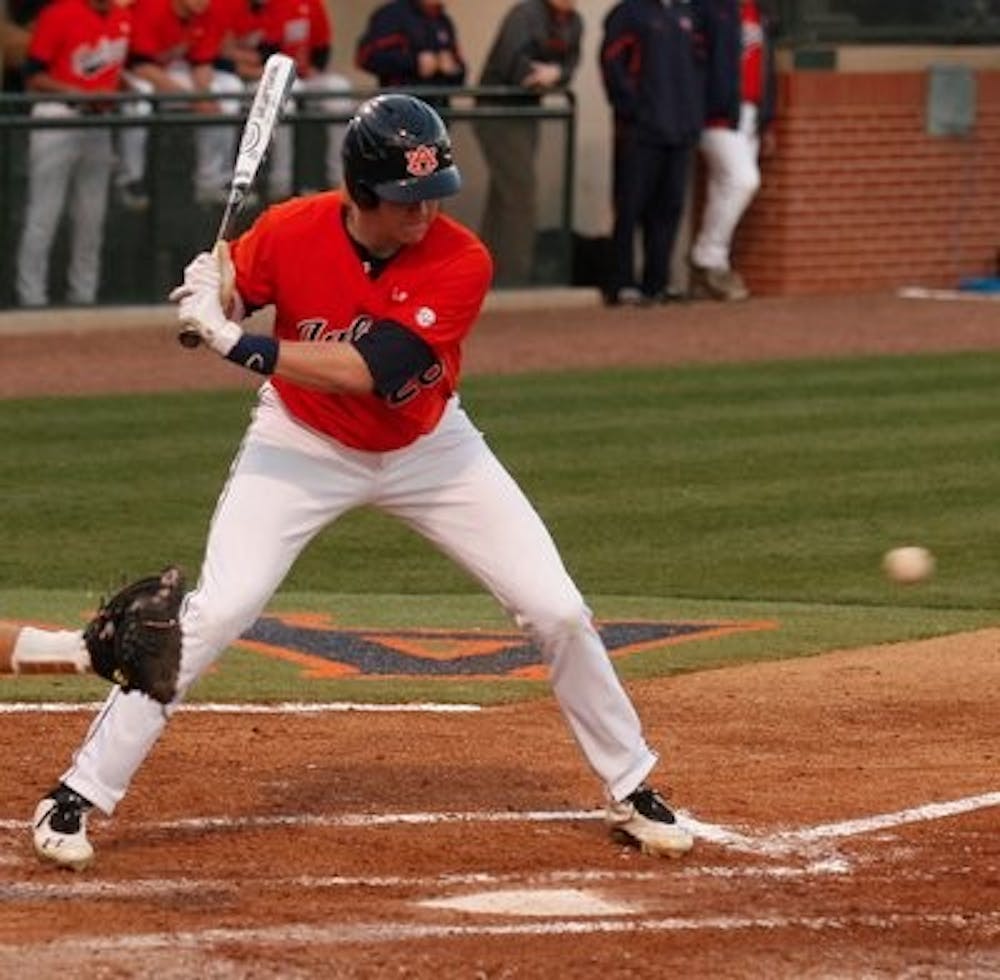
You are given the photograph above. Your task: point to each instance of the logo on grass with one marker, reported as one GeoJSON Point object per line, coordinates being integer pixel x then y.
{"type": "Point", "coordinates": [324, 650]}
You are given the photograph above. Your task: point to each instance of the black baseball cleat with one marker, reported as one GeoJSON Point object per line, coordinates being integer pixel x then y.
{"type": "Point", "coordinates": [60, 829]}
{"type": "Point", "coordinates": [644, 820]}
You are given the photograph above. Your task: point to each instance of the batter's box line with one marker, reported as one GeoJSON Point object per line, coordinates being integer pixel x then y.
{"type": "Point", "coordinates": [337, 934]}
{"type": "Point", "coordinates": [774, 845]}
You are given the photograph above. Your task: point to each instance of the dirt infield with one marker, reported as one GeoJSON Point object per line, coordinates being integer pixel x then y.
{"type": "Point", "coordinates": [846, 809]}
{"type": "Point", "coordinates": [137, 352]}
{"type": "Point", "coordinates": [846, 806]}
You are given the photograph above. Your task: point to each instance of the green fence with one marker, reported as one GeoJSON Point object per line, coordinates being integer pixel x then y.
{"type": "Point", "coordinates": [144, 252]}
{"type": "Point", "coordinates": [890, 21]}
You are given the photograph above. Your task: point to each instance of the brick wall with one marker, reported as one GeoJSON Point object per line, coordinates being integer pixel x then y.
{"type": "Point", "coordinates": [859, 197]}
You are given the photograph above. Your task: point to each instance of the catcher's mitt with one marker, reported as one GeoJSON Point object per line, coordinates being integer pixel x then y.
{"type": "Point", "coordinates": [135, 638]}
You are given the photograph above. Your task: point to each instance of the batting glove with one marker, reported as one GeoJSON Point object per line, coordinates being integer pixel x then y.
{"type": "Point", "coordinates": [200, 305]}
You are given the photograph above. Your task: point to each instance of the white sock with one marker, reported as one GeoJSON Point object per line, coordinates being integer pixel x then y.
{"type": "Point", "coordinates": [35, 646]}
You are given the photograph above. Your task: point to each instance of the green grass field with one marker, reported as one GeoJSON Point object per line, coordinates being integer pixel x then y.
{"type": "Point", "coordinates": [766, 491]}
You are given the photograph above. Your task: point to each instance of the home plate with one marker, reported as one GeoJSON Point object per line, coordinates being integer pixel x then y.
{"type": "Point", "coordinates": [531, 901]}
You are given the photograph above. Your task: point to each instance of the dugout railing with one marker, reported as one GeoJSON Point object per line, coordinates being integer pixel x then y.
{"type": "Point", "coordinates": [145, 251]}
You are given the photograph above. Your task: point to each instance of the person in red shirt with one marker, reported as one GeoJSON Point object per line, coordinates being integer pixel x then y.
{"type": "Point", "coordinates": [739, 108]}
{"type": "Point", "coordinates": [374, 293]}
{"type": "Point", "coordinates": [302, 30]}
{"type": "Point", "coordinates": [77, 47]}
{"type": "Point", "coordinates": [175, 44]}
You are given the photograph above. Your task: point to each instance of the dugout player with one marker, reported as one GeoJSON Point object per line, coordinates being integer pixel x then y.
{"type": "Point", "coordinates": [302, 30]}
{"type": "Point", "coordinates": [77, 47]}
{"type": "Point", "coordinates": [375, 292]}
{"type": "Point", "coordinates": [174, 48]}
{"type": "Point", "coordinates": [740, 88]}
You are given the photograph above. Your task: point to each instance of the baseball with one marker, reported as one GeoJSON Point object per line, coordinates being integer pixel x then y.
{"type": "Point", "coordinates": [908, 565]}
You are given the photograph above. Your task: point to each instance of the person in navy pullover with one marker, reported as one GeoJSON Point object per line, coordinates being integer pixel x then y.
{"type": "Point", "coordinates": [411, 43]}
{"type": "Point", "coordinates": [652, 70]}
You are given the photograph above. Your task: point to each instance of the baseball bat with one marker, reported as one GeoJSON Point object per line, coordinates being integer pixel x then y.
{"type": "Point", "coordinates": [269, 99]}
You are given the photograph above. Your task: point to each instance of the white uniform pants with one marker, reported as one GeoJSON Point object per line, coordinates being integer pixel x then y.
{"type": "Point", "coordinates": [215, 146]}
{"type": "Point", "coordinates": [286, 485]}
{"type": "Point", "coordinates": [279, 183]}
{"type": "Point", "coordinates": [733, 178]}
{"type": "Point", "coordinates": [76, 162]}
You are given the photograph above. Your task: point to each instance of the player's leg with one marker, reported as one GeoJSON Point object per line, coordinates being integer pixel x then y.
{"type": "Point", "coordinates": [732, 181]}
{"type": "Point", "coordinates": [52, 154]}
{"type": "Point", "coordinates": [629, 193]}
{"type": "Point", "coordinates": [510, 219]}
{"type": "Point", "coordinates": [130, 177]}
{"type": "Point", "coordinates": [215, 145]}
{"type": "Point", "coordinates": [88, 205]}
{"type": "Point", "coordinates": [341, 105]}
{"type": "Point", "coordinates": [456, 494]}
{"type": "Point", "coordinates": [666, 172]}
{"type": "Point", "coordinates": [284, 486]}
{"type": "Point", "coordinates": [280, 164]}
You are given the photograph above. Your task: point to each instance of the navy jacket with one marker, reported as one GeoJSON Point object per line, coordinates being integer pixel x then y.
{"type": "Point", "coordinates": [724, 49]}
{"type": "Point", "coordinates": [396, 32]}
{"type": "Point", "coordinates": [651, 64]}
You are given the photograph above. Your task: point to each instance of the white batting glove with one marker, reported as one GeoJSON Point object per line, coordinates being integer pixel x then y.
{"type": "Point", "coordinates": [201, 307]}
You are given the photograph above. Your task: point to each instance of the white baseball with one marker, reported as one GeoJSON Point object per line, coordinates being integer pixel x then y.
{"type": "Point", "coordinates": [908, 565]}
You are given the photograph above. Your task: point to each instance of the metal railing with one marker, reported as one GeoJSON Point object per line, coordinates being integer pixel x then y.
{"type": "Point", "coordinates": [144, 252]}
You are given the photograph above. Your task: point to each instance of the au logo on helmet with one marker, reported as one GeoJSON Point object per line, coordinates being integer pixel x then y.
{"type": "Point", "coordinates": [421, 161]}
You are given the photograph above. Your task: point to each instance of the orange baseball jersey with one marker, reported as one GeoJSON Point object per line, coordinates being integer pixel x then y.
{"type": "Point", "coordinates": [81, 47]}
{"type": "Point", "coordinates": [162, 36]}
{"type": "Point", "coordinates": [299, 257]}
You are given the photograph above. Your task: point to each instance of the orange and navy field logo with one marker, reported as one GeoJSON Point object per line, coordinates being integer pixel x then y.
{"type": "Point", "coordinates": [325, 651]}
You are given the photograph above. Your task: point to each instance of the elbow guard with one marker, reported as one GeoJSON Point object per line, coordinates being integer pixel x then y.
{"type": "Point", "coordinates": [394, 355]}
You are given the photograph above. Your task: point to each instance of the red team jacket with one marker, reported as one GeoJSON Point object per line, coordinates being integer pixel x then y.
{"type": "Point", "coordinates": [299, 257]}
{"type": "Point", "coordinates": [76, 45]}
{"type": "Point", "coordinates": [299, 28]}
{"type": "Point", "coordinates": [162, 37]}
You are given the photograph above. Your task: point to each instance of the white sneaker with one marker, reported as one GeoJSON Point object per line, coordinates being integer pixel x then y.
{"type": "Point", "coordinates": [60, 829]}
{"type": "Point", "coordinates": [646, 821]}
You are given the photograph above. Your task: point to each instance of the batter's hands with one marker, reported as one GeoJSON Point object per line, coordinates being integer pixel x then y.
{"type": "Point", "coordinates": [201, 306]}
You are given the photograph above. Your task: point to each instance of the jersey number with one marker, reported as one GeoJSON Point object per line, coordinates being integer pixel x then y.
{"type": "Point", "coordinates": [426, 379]}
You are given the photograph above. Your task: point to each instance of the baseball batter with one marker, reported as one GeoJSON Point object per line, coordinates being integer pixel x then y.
{"type": "Point", "coordinates": [375, 292]}
{"type": "Point", "coordinates": [78, 47]}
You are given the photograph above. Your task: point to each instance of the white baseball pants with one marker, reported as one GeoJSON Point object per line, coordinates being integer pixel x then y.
{"type": "Point", "coordinates": [73, 162]}
{"type": "Point", "coordinates": [215, 146]}
{"type": "Point", "coordinates": [279, 182]}
{"type": "Point", "coordinates": [733, 178]}
{"type": "Point", "coordinates": [287, 484]}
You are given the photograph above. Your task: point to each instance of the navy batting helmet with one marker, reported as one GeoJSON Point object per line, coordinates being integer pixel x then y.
{"type": "Point", "coordinates": [397, 148]}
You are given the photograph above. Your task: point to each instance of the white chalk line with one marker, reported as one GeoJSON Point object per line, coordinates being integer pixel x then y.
{"type": "Point", "coordinates": [800, 841]}
{"type": "Point", "coordinates": [984, 923]}
{"type": "Point", "coordinates": [82, 888]}
{"type": "Point", "coordinates": [278, 708]}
